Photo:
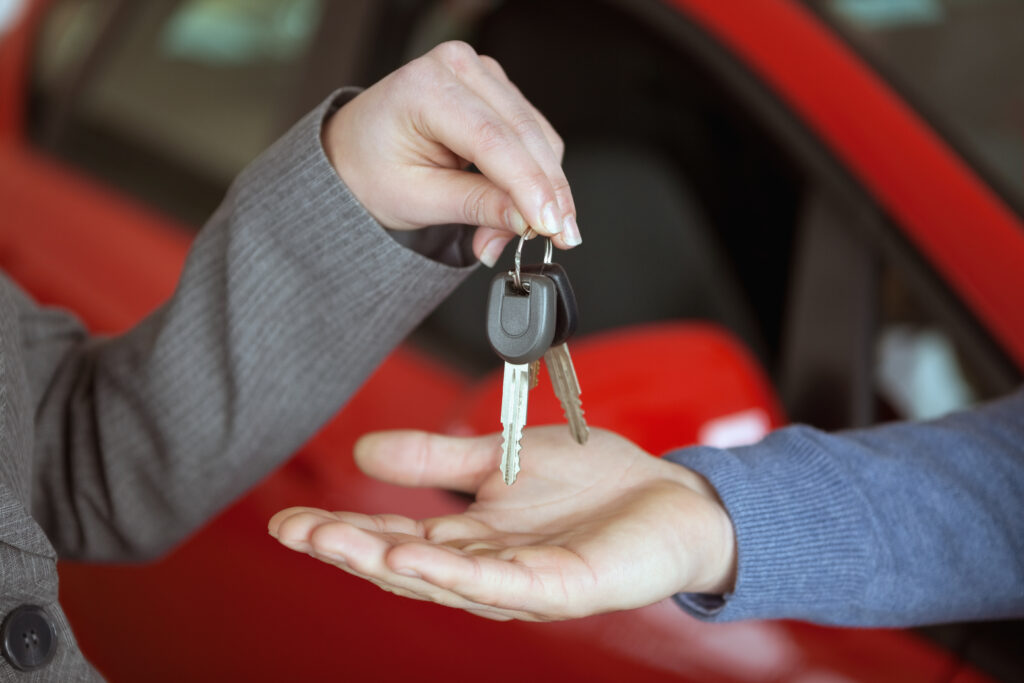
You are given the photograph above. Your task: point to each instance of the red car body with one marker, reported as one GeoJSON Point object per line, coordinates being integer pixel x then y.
{"type": "Point", "coordinates": [230, 604]}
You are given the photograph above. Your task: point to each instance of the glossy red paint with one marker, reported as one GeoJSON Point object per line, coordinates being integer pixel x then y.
{"type": "Point", "coordinates": [678, 378]}
{"type": "Point", "coordinates": [239, 606]}
{"type": "Point", "coordinates": [230, 604]}
{"type": "Point", "coordinates": [78, 244]}
{"type": "Point", "coordinates": [966, 230]}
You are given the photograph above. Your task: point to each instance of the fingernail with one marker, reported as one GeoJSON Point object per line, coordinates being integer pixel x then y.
{"type": "Point", "coordinates": [571, 234]}
{"type": "Point", "coordinates": [517, 222]}
{"type": "Point", "coordinates": [491, 252]}
{"type": "Point", "coordinates": [411, 573]}
{"type": "Point", "coordinates": [549, 217]}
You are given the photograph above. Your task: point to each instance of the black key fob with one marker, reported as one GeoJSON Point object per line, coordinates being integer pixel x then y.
{"type": "Point", "coordinates": [566, 313]}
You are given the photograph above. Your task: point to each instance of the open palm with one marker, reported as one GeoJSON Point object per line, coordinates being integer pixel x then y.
{"type": "Point", "coordinates": [584, 529]}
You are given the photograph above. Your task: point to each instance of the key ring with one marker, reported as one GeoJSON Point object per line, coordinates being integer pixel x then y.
{"type": "Point", "coordinates": [517, 278]}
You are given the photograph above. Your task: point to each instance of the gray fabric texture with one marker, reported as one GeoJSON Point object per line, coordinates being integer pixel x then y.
{"type": "Point", "coordinates": [899, 525]}
{"type": "Point", "coordinates": [115, 449]}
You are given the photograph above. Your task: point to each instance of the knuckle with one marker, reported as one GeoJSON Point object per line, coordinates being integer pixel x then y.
{"type": "Point", "coordinates": [475, 206]}
{"type": "Point", "coordinates": [524, 124]}
{"type": "Point", "coordinates": [559, 145]}
{"type": "Point", "coordinates": [421, 457]}
{"type": "Point", "coordinates": [492, 65]}
{"type": "Point", "coordinates": [560, 185]}
{"type": "Point", "coordinates": [538, 182]}
{"type": "Point", "coordinates": [456, 55]}
{"type": "Point", "coordinates": [490, 135]}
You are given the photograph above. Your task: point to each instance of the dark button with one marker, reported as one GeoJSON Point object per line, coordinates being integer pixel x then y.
{"type": "Point", "coordinates": [29, 638]}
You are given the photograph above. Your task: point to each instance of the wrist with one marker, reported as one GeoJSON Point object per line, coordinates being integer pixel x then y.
{"type": "Point", "coordinates": [708, 537]}
{"type": "Point", "coordinates": [331, 137]}
{"type": "Point", "coordinates": [721, 578]}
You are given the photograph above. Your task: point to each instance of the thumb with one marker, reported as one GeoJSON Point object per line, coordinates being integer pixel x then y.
{"type": "Point", "coordinates": [437, 196]}
{"type": "Point", "coordinates": [414, 458]}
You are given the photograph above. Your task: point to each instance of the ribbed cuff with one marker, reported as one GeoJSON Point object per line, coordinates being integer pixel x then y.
{"type": "Point", "coordinates": [802, 534]}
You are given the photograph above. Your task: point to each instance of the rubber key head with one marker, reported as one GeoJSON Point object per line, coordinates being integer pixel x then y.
{"type": "Point", "coordinates": [566, 312]}
{"type": "Point", "coordinates": [521, 325]}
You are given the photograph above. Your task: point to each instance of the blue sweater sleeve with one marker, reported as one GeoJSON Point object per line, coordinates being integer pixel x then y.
{"type": "Point", "coordinates": [897, 525]}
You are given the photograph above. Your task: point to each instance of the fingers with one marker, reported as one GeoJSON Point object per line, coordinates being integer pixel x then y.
{"type": "Point", "coordinates": [292, 526]}
{"type": "Point", "coordinates": [477, 577]}
{"type": "Point", "coordinates": [468, 126]}
{"type": "Point", "coordinates": [414, 458]}
{"type": "Point", "coordinates": [402, 146]}
{"type": "Point", "coordinates": [553, 138]}
{"type": "Point", "coordinates": [448, 195]}
{"type": "Point", "coordinates": [486, 77]}
{"type": "Point", "coordinates": [354, 547]}
{"type": "Point", "coordinates": [484, 119]}
{"type": "Point", "coordinates": [462, 560]}
{"type": "Point", "coordinates": [540, 582]}
{"type": "Point", "coordinates": [488, 244]}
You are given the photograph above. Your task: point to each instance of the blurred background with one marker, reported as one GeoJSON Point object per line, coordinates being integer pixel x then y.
{"type": "Point", "coordinates": [167, 100]}
{"type": "Point", "coordinates": [706, 190]}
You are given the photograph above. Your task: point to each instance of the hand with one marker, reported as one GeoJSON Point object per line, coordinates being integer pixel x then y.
{"type": "Point", "coordinates": [402, 147]}
{"type": "Point", "coordinates": [584, 530]}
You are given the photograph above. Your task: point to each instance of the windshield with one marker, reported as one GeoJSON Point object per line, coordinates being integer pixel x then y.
{"type": "Point", "coordinates": [959, 62]}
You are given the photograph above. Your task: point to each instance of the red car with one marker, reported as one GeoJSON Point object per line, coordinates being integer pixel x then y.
{"type": "Point", "coordinates": [793, 211]}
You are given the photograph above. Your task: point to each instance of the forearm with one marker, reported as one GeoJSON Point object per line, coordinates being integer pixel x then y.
{"type": "Point", "coordinates": [896, 525]}
{"type": "Point", "coordinates": [290, 297]}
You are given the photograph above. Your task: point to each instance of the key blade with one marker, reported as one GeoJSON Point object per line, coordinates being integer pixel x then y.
{"type": "Point", "coordinates": [509, 464]}
{"type": "Point", "coordinates": [514, 397]}
{"type": "Point", "coordinates": [567, 389]}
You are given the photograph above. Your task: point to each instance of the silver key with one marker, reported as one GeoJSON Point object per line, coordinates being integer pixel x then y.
{"type": "Point", "coordinates": [567, 389]}
{"type": "Point", "coordinates": [514, 398]}
{"type": "Point", "coordinates": [557, 358]}
{"type": "Point", "coordinates": [520, 327]}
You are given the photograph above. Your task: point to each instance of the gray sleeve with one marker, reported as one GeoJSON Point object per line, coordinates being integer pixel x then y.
{"type": "Point", "coordinates": [291, 295]}
{"type": "Point", "coordinates": [898, 525]}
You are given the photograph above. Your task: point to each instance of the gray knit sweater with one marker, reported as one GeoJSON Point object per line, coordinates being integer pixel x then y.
{"type": "Point", "coordinates": [903, 524]}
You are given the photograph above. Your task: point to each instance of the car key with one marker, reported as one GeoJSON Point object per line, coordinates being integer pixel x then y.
{"type": "Point", "coordinates": [557, 359]}
{"type": "Point", "coordinates": [534, 373]}
{"type": "Point", "coordinates": [520, 326]}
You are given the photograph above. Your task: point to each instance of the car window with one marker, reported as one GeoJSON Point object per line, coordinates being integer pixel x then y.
{"type": "Point", "coordinates": [922, 369]}
{"type": "Point", "coordinates": [959, 62]}
{"type": "Point", "coordinates": [169, 99]}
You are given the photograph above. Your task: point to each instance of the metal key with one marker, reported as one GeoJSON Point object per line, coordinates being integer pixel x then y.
{"type": "Point", "coordinates": [557, 359]}
{"type": "Point", "coordinates": [515, 394]}
{"type": "Point", "coordinates": [520, 326]}
{"type": "Point", "coordinates": [534, 374]}
{"type": "Point", "coordinates": [567, 389]}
